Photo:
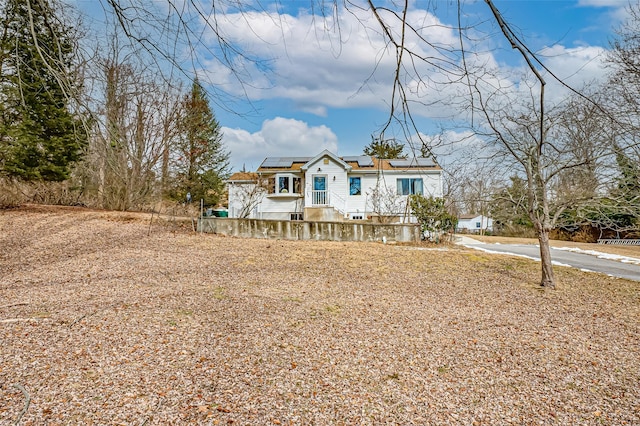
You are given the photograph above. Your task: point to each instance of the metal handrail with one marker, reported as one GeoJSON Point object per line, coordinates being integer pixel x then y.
{"type": "Point", "coordinates": [335, 197]}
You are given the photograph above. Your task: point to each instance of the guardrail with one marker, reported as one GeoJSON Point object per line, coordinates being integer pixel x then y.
{"type": "Point", "coordinates": [619, 241]}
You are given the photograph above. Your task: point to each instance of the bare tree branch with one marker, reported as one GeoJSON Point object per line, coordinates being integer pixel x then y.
{"type": "Point", "coordinates": [27, 402]}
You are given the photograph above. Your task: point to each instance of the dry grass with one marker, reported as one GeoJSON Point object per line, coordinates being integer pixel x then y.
{"type": "Point", "coordinates": [105, 324]}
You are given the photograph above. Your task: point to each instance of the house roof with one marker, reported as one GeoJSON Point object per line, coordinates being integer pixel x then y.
{"type": "Point", "coordinates": [243, 177]}
{"type": "Point", "coordinates": [352, 162]}
{"type": "Point", "coordinates": [329, 154]}
{"type": "Point", "coordinates": [359, 160]}
{"type": "Point", "coordinates": [413, 162]}
{"type": "Point", "coordinates": [399, 164]}
{"type": "Point", "coordinates": [283, 162]}
{"type": "Point", "coordinates": [469, 216]}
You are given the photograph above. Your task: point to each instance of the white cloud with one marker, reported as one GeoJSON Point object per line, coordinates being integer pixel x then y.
{"type": "Point", "coordinates": [279, 137]}
{"type": "Point", "coordinates": [318, 62]}
{"type": "Point", "coordinates": [575, 66]}
{"type": "Point", "coordinates": [620, 15]}
{"type": "Point", "coordinates": [603, 3]}
{"type": "Point", "coordinates": [617, 11]}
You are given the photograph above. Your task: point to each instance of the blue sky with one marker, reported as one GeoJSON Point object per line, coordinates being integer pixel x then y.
{"type": "Point", "coordinates": [325, 89]}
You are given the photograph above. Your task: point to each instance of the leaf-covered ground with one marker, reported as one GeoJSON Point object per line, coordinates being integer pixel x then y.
{"type": "Point", "coordinates": [108, 320]}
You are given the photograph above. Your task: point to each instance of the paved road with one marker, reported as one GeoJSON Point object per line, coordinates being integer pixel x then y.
{"type": "Point", "coordinates": [577, 260]}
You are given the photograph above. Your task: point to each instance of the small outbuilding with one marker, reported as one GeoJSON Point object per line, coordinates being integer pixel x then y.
{"type": "Point", "coordinates": [474, 224]}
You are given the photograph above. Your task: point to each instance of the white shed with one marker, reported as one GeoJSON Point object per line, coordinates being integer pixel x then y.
{"type": "Point", "coordinates": [474, 223]}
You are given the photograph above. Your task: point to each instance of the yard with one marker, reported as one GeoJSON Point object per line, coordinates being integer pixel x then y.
{"type": "Point", "coordinates": [106, 319]}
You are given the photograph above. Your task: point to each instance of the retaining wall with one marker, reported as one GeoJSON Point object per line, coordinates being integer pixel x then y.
{"type": "Point", "coordinates": [299, 230]}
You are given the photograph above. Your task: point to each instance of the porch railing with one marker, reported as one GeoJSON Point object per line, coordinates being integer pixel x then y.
{"type": "Point", "coordinates": [319, 198]}
{"type": "Point", "coordinates": [338, 203]}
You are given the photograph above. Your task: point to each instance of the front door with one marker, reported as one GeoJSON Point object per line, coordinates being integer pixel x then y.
{"type": "Point", "coordinates": [319, 190]}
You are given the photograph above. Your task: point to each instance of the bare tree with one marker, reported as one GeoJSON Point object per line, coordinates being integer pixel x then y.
{"type": "Point", "coordinates": [472, 185]}
{"type": "Point", "coordinates": [247, 191]}
{"type": "Point", "coordinates": [590, 135]}
{"type": "Point", "coordinates": [624, 60]}
{"type": "Point", "coordinates": [135, 127]}
{"type": "Point", "coordinates": [509, 209]}
{"type": "Point", "coordinates": [408, 39]}
{"type": "Point", "coordinates": [554, 163]}
{"type": "Point", "coordinates": [385, 202]}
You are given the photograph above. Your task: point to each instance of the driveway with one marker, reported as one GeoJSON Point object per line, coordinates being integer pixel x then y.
{"type": "Point", "coordinates": [592, 261]}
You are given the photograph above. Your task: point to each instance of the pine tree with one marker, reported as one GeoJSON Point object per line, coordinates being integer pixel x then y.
{"type": "Point", "coordinates": [384, 148]}
{"type": "Point", "coordinates": [624, 204]}
{"type": "Point", "coordinates": [509, 208]}
{"type": "Point", "coordinates": [203, 162]}
{"type": "Point", "coordinates": [40, 138]}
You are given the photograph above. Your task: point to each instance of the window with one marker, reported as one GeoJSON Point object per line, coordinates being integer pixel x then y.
{"type": "Point", "coordinates": [319, 183]}
{"type": "Point", "coordinates": [409, 186]}
{"type": "Point", "coordinates": [355, 186]}
{"type": "Point", "coordinates": [296, 216]}
{"type": "Point", "coordinates": [356, 217]}
{"type": "Point", "coordinates": [286, 184]}
{"type": "Point", "coordinates": [478, 225]}
{"type": "Point", "coordinates": [283, 184]}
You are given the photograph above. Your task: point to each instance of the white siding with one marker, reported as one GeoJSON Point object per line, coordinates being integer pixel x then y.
{"type": "Point", "coordinates": [281, 206]}
{"type": "Point", "coordinates": [337, 183]}
{"type": "Point", "coordinates": [270, 206]}
{"type": "Point", "coordinates": [237, 194]}
{"type": "Point", "coordinates": [361, 204]}
{"type": "Point", "coordinates": [357, 204]}
{"type": "Point", "coordinates": [470, 224]}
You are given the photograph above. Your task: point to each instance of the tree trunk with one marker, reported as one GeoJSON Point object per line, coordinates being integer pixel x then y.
{"type": "Point", "coordinates": [165, 163]}
{"type": "Point", "coordinates": [102, 165]}
{"type": "Point", "coordinates": [548, 279]}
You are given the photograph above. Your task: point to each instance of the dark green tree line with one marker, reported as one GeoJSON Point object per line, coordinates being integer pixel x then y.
{"type": "Point", "coordinates": [40, 136]}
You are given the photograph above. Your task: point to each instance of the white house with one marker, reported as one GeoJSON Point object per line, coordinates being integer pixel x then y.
{"type": "Point", "coordinates": [331, 188]}
{"type": "Point", "coordinates": [474, 223]}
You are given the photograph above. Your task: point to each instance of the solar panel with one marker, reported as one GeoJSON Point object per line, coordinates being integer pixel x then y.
{"type": "Point", "coordinates": [362, 160]}
{"type": "Point", "coordinates": [282, 162]}
{"type": "Point", "coordinates": [276, 162]}
{"type": "Point", "coordinates": [414, 162]}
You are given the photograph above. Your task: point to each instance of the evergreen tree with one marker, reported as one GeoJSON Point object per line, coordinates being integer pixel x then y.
{"type": "Point", "coordinates": [624, 204]}
{"type": "Point", "coordinates": [384, 148]}
{"type": "Point", "coordinates": [509, 209]}
{"type": "Point", "coordinates": [432, 215]}
{"type": "Point", "coordinates": [40, 138]}
{"type": "Point", "coordinates": [629, 178]}
{"type": "Point", "coordinates": [619, 210]}
{"type": "Point", "coordinates": [203, 163]}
